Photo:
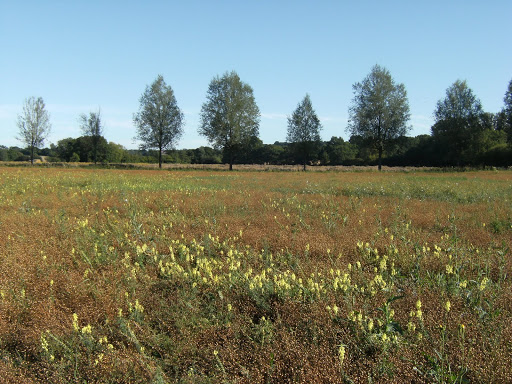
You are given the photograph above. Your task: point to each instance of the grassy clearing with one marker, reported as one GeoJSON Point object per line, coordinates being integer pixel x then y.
{"type": "Point", "coordinates": [246, 277]}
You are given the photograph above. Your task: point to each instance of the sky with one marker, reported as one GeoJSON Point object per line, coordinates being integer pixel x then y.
{"type": "Point", "coordinates": [81, 56]}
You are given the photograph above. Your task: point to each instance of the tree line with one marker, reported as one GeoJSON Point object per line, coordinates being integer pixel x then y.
{"type": "Point", "coordinates": [462, 133]}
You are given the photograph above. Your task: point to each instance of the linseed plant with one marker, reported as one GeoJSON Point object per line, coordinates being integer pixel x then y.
{"type": "Point", "coordinates": [253, 277]}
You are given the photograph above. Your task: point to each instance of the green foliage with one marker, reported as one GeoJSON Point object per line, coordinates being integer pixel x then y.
{"type": "Point", "coordinates": [33, 124]}
{"type": "Point", "coordinates": [339, 151]}
{"type": "Point", "coordinates": [459, 124]}
{"type": "Point", "coordinates": [230, 116]}
{"type": "Point", "coordinates": [304, 130]}
{"type": "Point", "coordinates": [159, 121]}
{"type": "Point", "coordinates": [86, 148]}
{"type": "Point", "coordinates": [379, 110]}
{"type": "Point", "coordinates": [4, 153]}
{"type": "Point", "coordinates": [508, 111]}
{"type": "Point", "coordinates": [75, 158]}
{"type": "Point", "coordinates": [92, 126]}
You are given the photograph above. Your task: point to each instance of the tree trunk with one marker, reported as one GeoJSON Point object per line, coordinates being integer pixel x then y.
{"type": "Point", "coordinates": [32, 155]}
{"type": "Point", "coordinates": [304, 166]}
{"type": "Point", "coordinates": [160, 157]}
{"type": "Point", "coordinates": [95, 149]}
{"type": "Point", "coordinates": [380, 158]}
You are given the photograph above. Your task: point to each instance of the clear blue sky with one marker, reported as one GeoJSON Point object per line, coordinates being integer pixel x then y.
{"type": "Point", "coordinates": [81, 55]}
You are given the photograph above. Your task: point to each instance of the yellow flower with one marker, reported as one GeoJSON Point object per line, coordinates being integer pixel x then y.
{"type": "Point", "coordinates": [447, 306]}
{"type": "Point", "coordinates": [370, 325]}
{"type": "Point", "coordinates": [483, 283]}
{"type": "Point", "coordinates": [341, 353]}
{"type": "Point", "coordinates": [75, 322]}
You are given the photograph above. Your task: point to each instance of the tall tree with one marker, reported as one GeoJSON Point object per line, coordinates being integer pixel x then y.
{"type": "Point", "coordinates": [159, 121]}
{"type": "Point", "coordinates": [508, 111]}
{"type": "Point", "coordinates": [230, 116]}
{"type": "Point", "coordinates": [379, 111]}
{"type": "Point", "coordinates": [92, 126]}
{"type": "Point", "coordinates": [304, 130]}
{"type": "Point", "coordinates": [33, 124]}
{"type": "Point", "coordinates": [459, 121]}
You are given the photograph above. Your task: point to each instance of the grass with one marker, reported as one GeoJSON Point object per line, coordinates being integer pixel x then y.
{"type": "Point", "coordinates": [201, 276]}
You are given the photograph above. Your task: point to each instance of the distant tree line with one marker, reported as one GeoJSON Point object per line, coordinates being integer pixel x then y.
{"type": "Point", "coordinates": [463, 134]}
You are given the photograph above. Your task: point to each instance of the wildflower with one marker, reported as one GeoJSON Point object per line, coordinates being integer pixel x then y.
{"type": "Point", "coordinates": [370, 325]}
{"type": "Point", "coordinates": [75, 322]}
{"type": "Point", "coordinates": [483, 283]}
{"type": "Point", "coordinates": [449, 269]}
{"type": "Point", "coordinates": [341, 353]}
{"type": "Point", "coordinates": [462, 329]}
{"type": "Point", "coordinates": [138, 307]}
{"type": "Point", "coordinates": [418, 304]}
{"type": "Point", "coordinates": [44, 343]}
{"type": "Point", "coordinates": [447, 306]}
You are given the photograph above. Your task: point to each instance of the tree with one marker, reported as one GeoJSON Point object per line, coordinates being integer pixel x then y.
{"type": "Point", "coordinates": [379, 111]}
{"type": "Point", "coordinates": [92, 126]}
{"type": "Point", "coordinates": [159, 121]}
{"type": "Point", "coordinates": [33, 124]}
{"type": "Point", "coordinates": [304, 130]}
{"type": "Point", "coordinates": [459, 122]}
{"type": "Point", "coordinates": [339, 151]}
{"type": "Point", "coordinates": [230, 116]}
{"type": "Point", "coordinates": [508, 111]}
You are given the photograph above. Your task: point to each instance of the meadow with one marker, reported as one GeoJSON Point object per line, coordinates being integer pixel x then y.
{"type": "Point", "coordinates": [204, 276]}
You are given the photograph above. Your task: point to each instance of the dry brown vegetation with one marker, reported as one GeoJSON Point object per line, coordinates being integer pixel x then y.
{"type": "Point", "coordinates": [202, 276]}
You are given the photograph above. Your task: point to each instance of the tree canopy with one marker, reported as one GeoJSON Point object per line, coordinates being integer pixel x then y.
{"type": "Point", "coordinates": [459, 120]}
{"type": "Point", "coordinates": [508, 110]}
{"type": "Point", "coordinates": [304, 129]}
{"type": "Point", "coordinates": [92, 126]}
{"type": "Point", "coordinates": [230, 116]}
{"type": "Point", "coordinates": [159, 121]}
{"type": "Point", "coordinates": [33, 124]}
{"type": "Point", "coordinates": [379, 111]}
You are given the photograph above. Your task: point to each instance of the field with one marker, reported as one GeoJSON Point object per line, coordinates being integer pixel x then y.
{"type": "Point", "coordinates": [204, 276]}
